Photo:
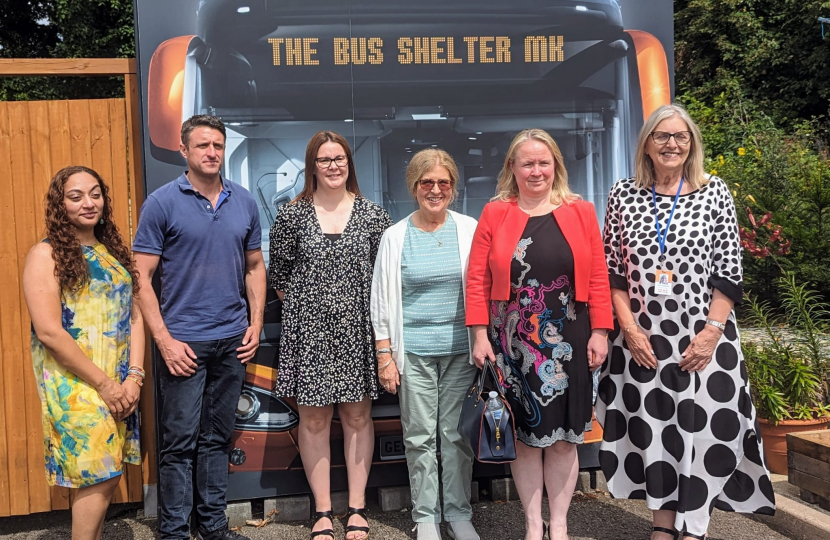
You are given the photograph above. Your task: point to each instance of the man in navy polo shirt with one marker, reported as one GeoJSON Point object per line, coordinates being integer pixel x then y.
{"type": "Point", "coordinates": [202, 233]}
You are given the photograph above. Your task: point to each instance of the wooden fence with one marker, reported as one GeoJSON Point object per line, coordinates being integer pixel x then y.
{"type": "Point", "coordinates": [36, 140]}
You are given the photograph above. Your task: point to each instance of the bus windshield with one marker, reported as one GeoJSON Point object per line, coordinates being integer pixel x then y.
{"type": "Point", "coordinates": [465, 78]}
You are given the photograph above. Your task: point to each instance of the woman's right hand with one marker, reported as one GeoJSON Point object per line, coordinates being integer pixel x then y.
{"type": "Point", "coordinates": [482, 349]}
{"type": "Point", "coordinates": [114, 397]}
{"type": "Point", "coordinates": [640, 348]}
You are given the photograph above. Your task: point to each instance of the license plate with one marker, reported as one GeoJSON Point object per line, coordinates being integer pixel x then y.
{"type": "Point", "coordinates": [391, 448]}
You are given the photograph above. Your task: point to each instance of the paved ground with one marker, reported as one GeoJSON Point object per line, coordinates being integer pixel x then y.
{"type": "Point", "coordinates": [590, 518]}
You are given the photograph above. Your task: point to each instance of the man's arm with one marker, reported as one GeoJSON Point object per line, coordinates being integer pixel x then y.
{"type": "Point", "coordinates": [255, 290]}
{"type": "Point", "coordinates": [177, 355]}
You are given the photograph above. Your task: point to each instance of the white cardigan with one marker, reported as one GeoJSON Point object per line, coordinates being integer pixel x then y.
{"type": "Point", "coordinates": [386, 301]}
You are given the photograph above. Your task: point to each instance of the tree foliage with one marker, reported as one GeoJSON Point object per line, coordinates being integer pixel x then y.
{"type": "Point", "coordinates": [65, 29]}
{"type": "Point", "coordinates": [772, 49]}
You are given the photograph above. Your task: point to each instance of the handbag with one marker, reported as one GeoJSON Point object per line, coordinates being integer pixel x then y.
{"type": "Point", "coordinates": [491, 441]}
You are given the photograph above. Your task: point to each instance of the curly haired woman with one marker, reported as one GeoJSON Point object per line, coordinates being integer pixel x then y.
{"type": "Point", "coordinates": [79, 285]}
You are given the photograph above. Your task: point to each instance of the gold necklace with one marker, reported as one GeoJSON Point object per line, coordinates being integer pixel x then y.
{"type": "Point", "coordinates": [439, 240]}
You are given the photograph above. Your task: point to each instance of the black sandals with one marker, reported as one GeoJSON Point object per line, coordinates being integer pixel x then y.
{"type": "Point", "coordinates": [325, 532]}
{"type": "Point", "coordinates": [665, 530]}
{"type": "Point", "coordinates": [357, 528]}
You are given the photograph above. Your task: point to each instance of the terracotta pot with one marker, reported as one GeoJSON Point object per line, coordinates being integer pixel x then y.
{"type": "Point", "coordinates": [775, 439]}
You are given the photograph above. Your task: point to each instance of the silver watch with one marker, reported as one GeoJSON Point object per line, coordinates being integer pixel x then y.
{"type": "Point", "coordinates": [717, 324]}
{"type": "Point", "coordinates": [386, 350]}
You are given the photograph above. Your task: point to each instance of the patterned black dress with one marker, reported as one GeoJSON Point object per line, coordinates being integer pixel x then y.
{"type": "Point", "coordinates": [327, 350]}
{"type": "Point", "coordinates": [540, 339]}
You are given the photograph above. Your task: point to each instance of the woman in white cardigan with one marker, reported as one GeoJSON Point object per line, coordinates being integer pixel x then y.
{"type": "Point", "coordinates": [423, 345]}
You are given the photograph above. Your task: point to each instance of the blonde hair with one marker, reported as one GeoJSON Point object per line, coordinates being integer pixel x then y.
{"type": "Point", "coordinates": [423, 162]}
{"type": "Point", "coordinates": [693, 170]}
{"type": "Point", "coordinates": [507, 188]}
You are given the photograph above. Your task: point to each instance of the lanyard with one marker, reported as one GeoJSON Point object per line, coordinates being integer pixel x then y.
{"type": "Point", "coordinates": [661, 235]}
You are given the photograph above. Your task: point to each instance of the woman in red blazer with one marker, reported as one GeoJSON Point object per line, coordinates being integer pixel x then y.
{"type": "Point", "coordinates": [540, 306]}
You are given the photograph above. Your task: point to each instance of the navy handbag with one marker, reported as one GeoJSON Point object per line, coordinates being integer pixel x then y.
{"type": "Point", "coordinates": [491, 442]}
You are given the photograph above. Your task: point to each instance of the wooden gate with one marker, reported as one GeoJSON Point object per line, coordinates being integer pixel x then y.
{"type": "Point", "coordinates": [36, 140]}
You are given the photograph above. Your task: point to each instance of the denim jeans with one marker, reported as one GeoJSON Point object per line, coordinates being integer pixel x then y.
{"type": "Point", "coordinates": [196, 419]}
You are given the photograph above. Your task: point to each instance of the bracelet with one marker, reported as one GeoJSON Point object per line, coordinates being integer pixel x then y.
{"type": "Point", "coordinates": [135, 379]}
{"type": "Point", "coordinates": [384, 365]}
{"type": "Point", "coordinates": [137, 371]}
{"type": "Point", "coordinates": [717, 324]}
{"type": "Point", "coordinates": [385, 350]}
{"type": "Point", "coordinates": [627, 329]}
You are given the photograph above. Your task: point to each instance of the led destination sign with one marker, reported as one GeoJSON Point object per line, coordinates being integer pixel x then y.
{"type": "Point", "coordinates": [432, 50]}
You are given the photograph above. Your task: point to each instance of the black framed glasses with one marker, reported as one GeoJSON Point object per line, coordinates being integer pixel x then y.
{"type": "Point", "coordinates": [325, 162]}
{"type": "Point", "coordinates": [427, 184]}
{"type": "Point", "coordinates": [681, 137]}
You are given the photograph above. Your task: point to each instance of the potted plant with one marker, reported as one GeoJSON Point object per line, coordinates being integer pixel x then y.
{"type": "Point", "coordinates": [788, 369]}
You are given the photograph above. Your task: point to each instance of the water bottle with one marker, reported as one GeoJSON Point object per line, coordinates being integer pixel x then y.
{"type": "Point", "coordinates": [495, 406]}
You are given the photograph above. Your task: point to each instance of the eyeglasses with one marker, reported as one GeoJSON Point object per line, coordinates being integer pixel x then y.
{"type": "Point", "coordinates": [325, 163]}
{"type": "Point", "coordinates": [427, 184]}
{"type": "Point", "coordinates": [681, 137]}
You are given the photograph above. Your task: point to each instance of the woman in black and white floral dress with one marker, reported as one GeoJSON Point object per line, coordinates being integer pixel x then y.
{"type": "Point", "coordinates": [323, 249]}
{"type": "Point", "coordinates": [679, 429]}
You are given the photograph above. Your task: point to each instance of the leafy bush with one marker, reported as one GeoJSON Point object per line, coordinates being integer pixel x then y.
{"type": "Point", "coordinates": [785, 176]}
{"type": "Point", "coordinates": [788, 371]}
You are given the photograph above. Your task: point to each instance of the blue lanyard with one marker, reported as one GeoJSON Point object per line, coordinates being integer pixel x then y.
{"type": "Point", "coordinates": [661, 235]}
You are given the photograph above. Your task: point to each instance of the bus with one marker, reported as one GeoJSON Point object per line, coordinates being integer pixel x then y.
{"type": "Point", "coordinates": [395, 77]}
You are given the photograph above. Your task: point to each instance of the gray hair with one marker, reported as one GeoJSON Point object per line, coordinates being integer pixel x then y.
{"type": "Point", "coordinates": [693, 167]}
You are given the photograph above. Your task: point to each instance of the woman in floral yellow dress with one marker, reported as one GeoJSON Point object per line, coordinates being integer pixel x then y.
{"type": "Point", "coordinates": [87, 345]}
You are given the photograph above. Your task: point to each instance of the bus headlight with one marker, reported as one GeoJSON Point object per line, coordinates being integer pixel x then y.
{"type": "Point", "coordinates": [261, 410]}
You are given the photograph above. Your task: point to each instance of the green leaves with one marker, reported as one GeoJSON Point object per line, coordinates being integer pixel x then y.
{"type": "Point", "coordinates": [788, 371]}
{"type": "Point", "coordinates": [771, 48]}
{"type": "Point", "coordinates": [65, 29]}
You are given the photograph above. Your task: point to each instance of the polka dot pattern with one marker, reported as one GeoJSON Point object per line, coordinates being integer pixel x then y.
{"type": "Point", "coordinates": [685, 442]}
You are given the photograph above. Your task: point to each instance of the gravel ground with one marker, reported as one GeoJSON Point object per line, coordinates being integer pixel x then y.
{"type": "Point", "coordinates": [591, 518]}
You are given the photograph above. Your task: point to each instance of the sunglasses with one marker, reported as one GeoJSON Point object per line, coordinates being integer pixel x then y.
{"type": "Point", "coordinates": [427, 184]}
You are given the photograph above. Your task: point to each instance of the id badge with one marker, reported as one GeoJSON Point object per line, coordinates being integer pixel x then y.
{"type": "Point", "coordinates": [662, 282]}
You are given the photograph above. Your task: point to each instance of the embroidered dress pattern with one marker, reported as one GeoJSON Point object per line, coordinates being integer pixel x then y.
{"type": "Point", "coordinates": [83, 444]}
{"type": "Point", "coordinates": [546, 378]}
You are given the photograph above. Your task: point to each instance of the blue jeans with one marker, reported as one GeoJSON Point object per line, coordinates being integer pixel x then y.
{"type": "Point", "coordinates": [196, 419]}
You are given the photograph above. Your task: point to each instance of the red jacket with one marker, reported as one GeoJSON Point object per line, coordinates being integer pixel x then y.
{"type": "Point", "coordinates": [499, 231]}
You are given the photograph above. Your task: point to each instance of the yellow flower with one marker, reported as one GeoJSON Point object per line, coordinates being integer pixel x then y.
{"type": "Point", "coordinates": [757, 152]}
{"type": "Point", "coordinates": [720, 160]}
{"type": "Point", "coordinates": [751, 198]}
{"type": "Point", "coordinates": [742, 151]}
{"type": "Point", "coordinates": [713, 172]}
{"type": "Point", "coordinates": [734, 193]}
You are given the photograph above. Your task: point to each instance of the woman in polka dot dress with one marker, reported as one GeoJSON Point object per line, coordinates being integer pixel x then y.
{"type": "Point", "coordinates": [680, 429]}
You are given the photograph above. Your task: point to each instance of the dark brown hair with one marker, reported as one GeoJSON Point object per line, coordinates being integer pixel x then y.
{"type": "Point", "coordinates": [319, 139]}
{"type": "Point", "coordinates": [71, 269]}
{"type": "Point", "coordinates": [201, 120]}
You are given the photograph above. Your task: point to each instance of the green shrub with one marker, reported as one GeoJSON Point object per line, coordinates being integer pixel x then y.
{"type": "Point", "coordinates": [783, 175]}
{"type": "Point", "coordinates": [788, 371]}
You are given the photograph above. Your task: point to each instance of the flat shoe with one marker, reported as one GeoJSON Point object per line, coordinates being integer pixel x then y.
{"type": "Point", "coordinates": [462, 530]}
{"type": "Point", "coordinates": [429, 531]}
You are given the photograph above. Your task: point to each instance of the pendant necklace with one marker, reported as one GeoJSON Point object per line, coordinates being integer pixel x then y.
{"type": "Point", "coordinates": [440, 243]}
{"type": "Point", "coordinates": [432, 234]}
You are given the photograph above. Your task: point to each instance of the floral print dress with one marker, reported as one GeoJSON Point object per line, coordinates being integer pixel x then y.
{"type": "Point", "coordinates": [327, 348]}
{"type": "Point", "coordinates": [83, 444]}
{"type": "Point", "coordinates": [540, 339]}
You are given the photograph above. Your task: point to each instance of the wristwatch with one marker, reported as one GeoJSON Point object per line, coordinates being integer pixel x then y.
{"type": "Point", "coordinates": [384, 350]}
{"type": "Point", "coordinates": [717, 324]}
